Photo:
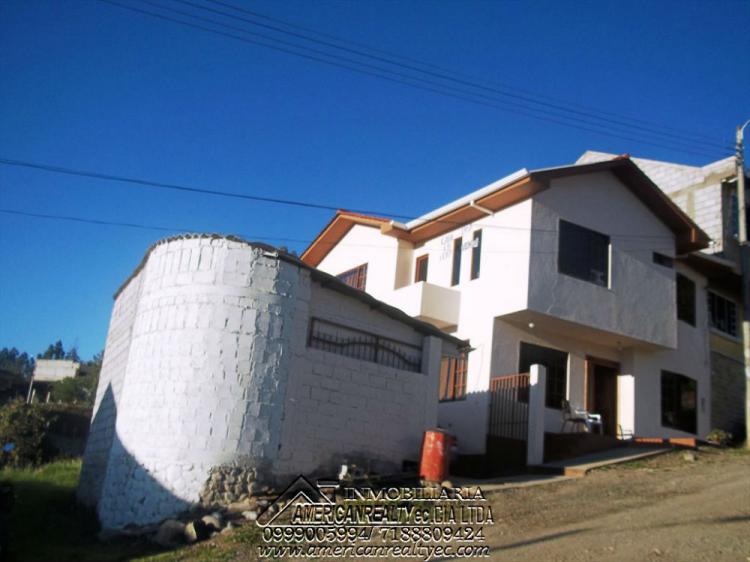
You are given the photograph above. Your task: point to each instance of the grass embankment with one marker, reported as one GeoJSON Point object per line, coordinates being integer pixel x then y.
{"type": "Point", "coordinates": [45, 522]}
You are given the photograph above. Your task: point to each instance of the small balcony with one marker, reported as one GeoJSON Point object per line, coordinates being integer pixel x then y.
{"type": "Point", "coordinates": [437, 305]}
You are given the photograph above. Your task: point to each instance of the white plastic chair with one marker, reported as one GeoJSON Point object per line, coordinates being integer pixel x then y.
{"type": "Point", "coordinates": [579, 417]}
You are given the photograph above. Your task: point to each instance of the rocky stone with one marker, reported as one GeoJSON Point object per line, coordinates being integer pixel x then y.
{"type": "Point", "coordinates": [250, 515]}
{"type": "Point", "coordinates": [689, 456]}
{"type": "Point", "coordinates": [171, 533]}
{"type": "Point", "coordinates": [228, 528]}
{"type": "Point", "coordinates": [239, 507]}
{"type": "Point", "coordinates": [446, 484]}
{"type": "Point", "coordinates": [196, 531]}
{"type": "Point", "coordinates": [212, 521]}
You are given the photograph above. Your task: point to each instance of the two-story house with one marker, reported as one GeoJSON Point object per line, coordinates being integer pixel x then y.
{"type": "Point", "coordinates": [708, 194]}
{"type": "Point", "coordinates": [572, 268]}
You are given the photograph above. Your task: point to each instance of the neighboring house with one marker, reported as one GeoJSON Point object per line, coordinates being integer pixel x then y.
{"type": "Point", "coordinates": [49, 371]}
{"type": "Point", "coordinates": [708, 194]}
{"type": "Point", "coordinates": [572, 268]}
{"type": "Point", "coordinates": [230, 366]}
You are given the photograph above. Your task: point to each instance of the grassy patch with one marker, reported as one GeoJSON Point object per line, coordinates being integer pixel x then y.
{"type": "Point", "coordinates": [45, 522]}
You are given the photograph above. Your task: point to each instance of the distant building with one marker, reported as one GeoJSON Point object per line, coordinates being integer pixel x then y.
{"type": "Point", "coordinates": [47, 372]}
{"type": "Point", "coordinates": [708, 194]}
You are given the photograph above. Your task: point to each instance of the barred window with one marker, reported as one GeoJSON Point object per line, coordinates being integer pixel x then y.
{"type": "Point", "coordinates": [722, 313]}
{"type": "Point", "coordinates": [356, 277]}
{"type": "Point", "coordinates": [358, 344]}
{"type": "Point", "coordinates": [453, 371]}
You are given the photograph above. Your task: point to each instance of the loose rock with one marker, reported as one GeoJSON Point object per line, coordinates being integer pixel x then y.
{"type": "Point", "coordinates": [170, 533]}
{"type": "Point", "coordinates": [196, 531]}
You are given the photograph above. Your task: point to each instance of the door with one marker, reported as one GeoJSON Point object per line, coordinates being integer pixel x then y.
{"type": "Point", "coordinates": [602, 393]}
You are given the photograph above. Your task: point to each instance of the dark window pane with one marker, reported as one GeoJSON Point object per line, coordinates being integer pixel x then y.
{"type": "Point", "coordinates": [679, 399]}
{"type": "Point", "coordinates": [685, 299]}
{"type": "Point", "coordinates": [556, 363]}
{"type": "Point", "coordinates": [583, 253]}
{"type": "Point", "coordinates": [661, 259]}
{"type": "Point", "coordinates": [421, 269]}
{"type": "Point", "coordinates": [476, 254]}
{"type": "Point", "coordinates": [456, 273]}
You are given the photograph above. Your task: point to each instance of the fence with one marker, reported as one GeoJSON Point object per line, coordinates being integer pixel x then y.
{"type": "Point", "coordinates": [509, 406]}
{"type": "Point", "coordinates": [366, 346]}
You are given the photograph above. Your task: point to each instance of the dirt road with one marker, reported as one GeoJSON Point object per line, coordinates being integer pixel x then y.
{"type": "Point", "coordinates": [664, 509]}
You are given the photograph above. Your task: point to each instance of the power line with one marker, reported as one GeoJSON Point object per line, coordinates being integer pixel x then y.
{"type": "Point", "coordinates": [693, 134]}
{"type": "Point", "coordinates": [249, 237]}
{"type": "Point", "coordinates": [677, 144]}
{"type": "Point", "coordinates": [401, 78]}
{"type": "Point", "coordinates": [444, 75]}
{"type": "Point", "coordinates": [146, 183]}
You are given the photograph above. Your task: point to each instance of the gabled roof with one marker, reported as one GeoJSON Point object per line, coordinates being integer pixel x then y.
{"type": "Point", "coordinates": [508, 191]}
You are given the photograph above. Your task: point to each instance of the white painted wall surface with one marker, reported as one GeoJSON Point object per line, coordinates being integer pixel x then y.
{"type": "Point", "coordinates": [639, 302]}
{"type": "Point", "coordinates": [203, 343]}
{"type": "Point", "coordinates": [365, 244]}
{"type": "Point", "coordinates": [51, 370]}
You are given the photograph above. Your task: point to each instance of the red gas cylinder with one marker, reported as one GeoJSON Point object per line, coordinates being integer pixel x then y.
{"type": "Point", "coordinates": [436, 455]}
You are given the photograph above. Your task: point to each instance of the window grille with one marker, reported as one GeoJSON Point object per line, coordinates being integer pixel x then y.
{"type": "Point", "coordinates": [358, 344]}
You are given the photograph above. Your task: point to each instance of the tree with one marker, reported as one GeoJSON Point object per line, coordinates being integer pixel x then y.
{"type": "Point", "coordinates": [54, 351]}
{"type": "Point", "coordinates": [14, 362]}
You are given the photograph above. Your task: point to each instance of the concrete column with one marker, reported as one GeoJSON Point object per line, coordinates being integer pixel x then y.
{"type": "Point", "coordinates": [535, 439]}
{"type": "Point", "coordinates": [432, 353]}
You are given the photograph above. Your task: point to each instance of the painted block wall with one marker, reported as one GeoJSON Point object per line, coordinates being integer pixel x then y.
{"type": "Point", "coordinates": [112, 374]}
{"type": "Point", "coordinates": [203, 342]}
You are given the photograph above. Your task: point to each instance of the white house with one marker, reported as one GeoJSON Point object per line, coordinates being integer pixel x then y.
{"type": "Point", "coordinates": [572, 268]}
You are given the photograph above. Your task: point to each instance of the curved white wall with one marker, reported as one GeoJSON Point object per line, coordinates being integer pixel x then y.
{"type": "Point", "coordinates": [204, 377]}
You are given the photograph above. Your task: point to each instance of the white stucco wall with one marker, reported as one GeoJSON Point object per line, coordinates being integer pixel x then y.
{"type": "Point", "coordinates": [639, 301]}
{"type": "Point", "coordinates": [365, 244]}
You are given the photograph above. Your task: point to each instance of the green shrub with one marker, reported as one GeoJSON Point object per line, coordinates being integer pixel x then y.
{"type": "Point", "coordinates": [23, 425]}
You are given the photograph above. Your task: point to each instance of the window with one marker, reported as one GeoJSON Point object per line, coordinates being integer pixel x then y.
{"type": "Point", "coordinates": [356, 277]}
{"type": "Point", "coordinates": [456, 273]}
{"type": "Point", "coordinates": [476, 254]}
{"type": "Point", "coordinates": [453, 372]}
{"type": "Point", "coordinates": [722, 314]}
{"type": "Point", "coordinates": [661, 259]}
{"type": "Point", "coordinates": [557, 370]}
{"type": "Point", "coordinates": [420, 273]}
{"type": "Point", "coordinates": [679, 395]}
{"type": "Point", "coordinates": [583, 253]}
{"type": "Point", "coordinates": [685, 299]}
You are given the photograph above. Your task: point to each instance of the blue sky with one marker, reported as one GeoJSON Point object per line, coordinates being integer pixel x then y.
{"type": "Point", "coordinates": [88, 85]}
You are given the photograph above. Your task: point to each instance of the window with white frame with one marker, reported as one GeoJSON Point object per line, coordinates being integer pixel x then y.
{"type": "Point", "coordinates": [722, 314]}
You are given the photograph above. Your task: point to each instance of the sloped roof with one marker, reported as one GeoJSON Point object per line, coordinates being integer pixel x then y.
{"type": "Point", "coordinates": [508, 191]}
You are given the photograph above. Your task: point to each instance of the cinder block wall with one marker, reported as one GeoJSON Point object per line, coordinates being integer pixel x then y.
{"type": "Point", "coordinates": [341, 409]}
{"type": "Point", "coordinates": [207, 365]}
{"type": "Point", "coordinates": [727, 394]}
{"type": "Point", "coordinates": [204, 377]}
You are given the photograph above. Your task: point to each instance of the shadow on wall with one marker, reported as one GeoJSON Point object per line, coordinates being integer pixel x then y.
{"type": "Point", "coordinates": [112, 480]}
